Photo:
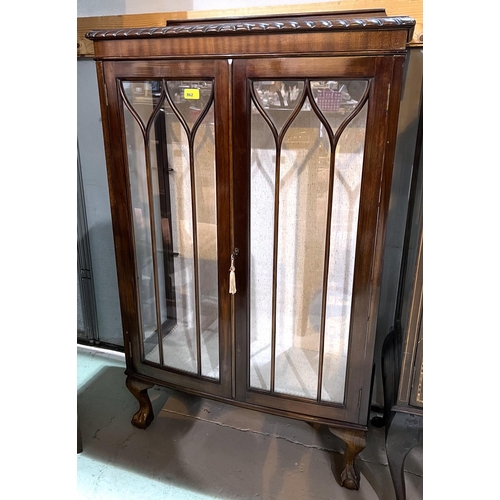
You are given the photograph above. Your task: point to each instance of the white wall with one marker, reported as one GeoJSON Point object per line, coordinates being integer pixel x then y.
{"type": "Point", "coordinates": [88, 8]}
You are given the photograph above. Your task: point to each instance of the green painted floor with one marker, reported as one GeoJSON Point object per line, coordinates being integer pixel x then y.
{"type": "Point", "coordinates": [199, 449]}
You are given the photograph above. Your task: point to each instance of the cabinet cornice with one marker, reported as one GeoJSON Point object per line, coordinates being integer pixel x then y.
{"type": "Point", "coordinates": [325, 22]}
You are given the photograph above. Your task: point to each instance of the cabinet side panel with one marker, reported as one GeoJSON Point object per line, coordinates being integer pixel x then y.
{"type": "Point", "coordinates": [394, 69]}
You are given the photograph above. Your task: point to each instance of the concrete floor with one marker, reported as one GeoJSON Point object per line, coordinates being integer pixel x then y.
{"type": "Point", "coordinates": [200, 449]}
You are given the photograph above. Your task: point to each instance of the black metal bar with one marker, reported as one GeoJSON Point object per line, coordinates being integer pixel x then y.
{"type": "Point", "coordinates": [166, 212]}
{"type": "Point", "coordinates": [86, 282]}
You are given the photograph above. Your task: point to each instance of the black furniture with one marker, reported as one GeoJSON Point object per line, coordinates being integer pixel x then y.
{"type": "Point", "coordinates": [402, 352]}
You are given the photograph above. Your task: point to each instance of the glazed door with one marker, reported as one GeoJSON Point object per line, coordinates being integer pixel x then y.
{"type": "Point", "coordinates": [309, 138]}
{"type": "Point", "coordinates": [171, 128]}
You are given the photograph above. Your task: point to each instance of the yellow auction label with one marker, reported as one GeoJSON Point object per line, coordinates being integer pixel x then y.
{"type": "Point", "coordinates": [191, 93]}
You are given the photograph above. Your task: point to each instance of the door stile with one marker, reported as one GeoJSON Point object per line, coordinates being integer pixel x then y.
{"type": "Point", "coordinates": [224, 209]}
{"type": "Point", "coordinates": [241, 211]}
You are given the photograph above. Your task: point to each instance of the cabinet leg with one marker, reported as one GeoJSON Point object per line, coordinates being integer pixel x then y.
{"type": "Point", "coordinates": [355, 443]}
{"type": "Point", "coordinates": [402, 434]}
{"type": "Point", "coordinates": [139, 390]}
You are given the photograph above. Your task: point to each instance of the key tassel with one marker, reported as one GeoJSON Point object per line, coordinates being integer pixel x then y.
{"type": "Point", "coordinates": [232, 277]}
{"type": "Point", "coordinates": [232, 281]}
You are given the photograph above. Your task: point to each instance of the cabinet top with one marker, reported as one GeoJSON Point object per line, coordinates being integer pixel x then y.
{"type": "Point", "coordinates": [359, 20]}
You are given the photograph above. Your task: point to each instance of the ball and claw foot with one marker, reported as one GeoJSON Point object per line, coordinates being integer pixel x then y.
{"type": "Point", "coordinates": [139, 390]}
{"type": "Point", "coordinates": [142, 418]}
{"type": "Point", "coordinates": [350, 477]}
{"type": "Point", "coordinates": [355, 443]}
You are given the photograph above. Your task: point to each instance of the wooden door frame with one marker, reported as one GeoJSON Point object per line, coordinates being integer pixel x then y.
{"type": "Point", "coordinates": [376, 181]}
{"type": "Point", "coordinates": [110, 72]}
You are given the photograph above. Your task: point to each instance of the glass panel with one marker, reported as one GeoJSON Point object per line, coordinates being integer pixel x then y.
{"type": "Point", "coordinates": [139, 95]}
{"type": "Point", "coordinates": [305, 161]}
{"type": "Point", "coordinates": [347, 185]}
{"type": "Point", "coordinates": [186, 279]}
{"type": "Point", "coordinates": [162, 219]}
{"type": "Point", "coordinates": [263, 162]}
{"type": "Point", "coordinates": [80, 324]}
{"type": "Point", "coordinates": [190, 98]}
{"type": "Point", "coordinates": [142, 234]}
{"type": "Point", "coordinates": [279, 98]}
{"type": "Point", "coordinates": [303, 203]}
{"type": "Point", "coordinates": [206, 205]}
{"type": "Point", "coordinates": [337, 98]}
{"type": "Point", "coordinates": [179, 346]}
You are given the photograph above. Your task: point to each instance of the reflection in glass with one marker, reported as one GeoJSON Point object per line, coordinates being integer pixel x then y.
{"type": "Point", "coordinates": [282, 97]}
{"type": "Point", "coordinates": [190, 98]}
{"type": "Point", "coordinates": [288, 264]}
{"type": "Point", "coordinates": [338, 99]}
{"type": "Point", "coordinates": [175, 220]}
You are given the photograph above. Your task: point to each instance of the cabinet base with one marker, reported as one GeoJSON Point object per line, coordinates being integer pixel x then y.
{"type": "Point", "coordinates": [354, 439]}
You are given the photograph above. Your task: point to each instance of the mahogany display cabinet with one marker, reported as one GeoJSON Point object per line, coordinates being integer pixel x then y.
{"type": "Point", "coordinates": [249, 166]}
